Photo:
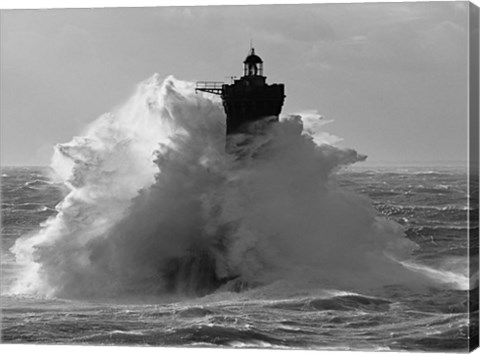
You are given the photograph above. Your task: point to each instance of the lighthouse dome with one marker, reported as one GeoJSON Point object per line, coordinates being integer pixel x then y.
{"type": "Point", "coordinates": [253, 58]}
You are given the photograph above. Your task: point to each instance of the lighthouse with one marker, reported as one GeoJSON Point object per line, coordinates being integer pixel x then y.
{"type": "Point", "coordinates": [248, 98]}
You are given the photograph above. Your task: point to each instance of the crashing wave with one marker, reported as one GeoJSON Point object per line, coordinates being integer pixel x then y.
{"type": "Point", "coordinates": [161, 201]}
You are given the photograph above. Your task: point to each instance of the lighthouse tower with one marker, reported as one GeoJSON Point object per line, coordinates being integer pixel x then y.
{"type": "Point", "coordinates": [249, 98]}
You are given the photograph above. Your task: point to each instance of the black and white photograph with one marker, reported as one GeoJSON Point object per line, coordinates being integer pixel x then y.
{"type": "Point", "coordinates": [255, 176]}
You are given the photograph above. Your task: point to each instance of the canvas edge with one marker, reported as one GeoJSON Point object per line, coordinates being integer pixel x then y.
{"type": "Point", "coordinates": [473, 153]}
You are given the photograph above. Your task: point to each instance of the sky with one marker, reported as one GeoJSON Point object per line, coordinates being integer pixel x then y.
{"type": "Point", "coordinates": [392, 77]}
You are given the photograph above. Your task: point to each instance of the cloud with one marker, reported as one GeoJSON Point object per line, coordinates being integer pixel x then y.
{"type": "Point", "coordinates": [403, 37]}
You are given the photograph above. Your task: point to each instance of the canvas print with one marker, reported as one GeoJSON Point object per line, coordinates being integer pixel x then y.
{"type": "Point", "coordinates": [296, 176]}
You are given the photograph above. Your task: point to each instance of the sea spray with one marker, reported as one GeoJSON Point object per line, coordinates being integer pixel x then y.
{"type": "Point", "coordinates": [104, 169]}
{"type": "Point", "coordinates": [160, 201]}
{"type": "Point", "coordinates": [293, 221]}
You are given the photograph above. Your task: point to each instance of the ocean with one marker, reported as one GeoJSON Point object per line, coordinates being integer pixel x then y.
{"type": "Point", "coordinates": [287, 244]}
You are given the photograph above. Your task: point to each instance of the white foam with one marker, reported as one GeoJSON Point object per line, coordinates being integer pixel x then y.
{"type": "Point", "coordinates": [276, 213]}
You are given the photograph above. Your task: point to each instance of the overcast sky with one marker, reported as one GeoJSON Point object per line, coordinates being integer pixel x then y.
{"type": "Point", "coordinates": [392, 77]}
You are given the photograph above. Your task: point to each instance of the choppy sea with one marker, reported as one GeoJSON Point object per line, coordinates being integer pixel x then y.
{"type": "Point", "coordinates": [430, 203]}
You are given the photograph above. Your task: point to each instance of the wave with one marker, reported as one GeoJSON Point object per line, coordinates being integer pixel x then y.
{"type": "Point", "coordinates": [33, 207]}
{"type": "Point", "coordinates": [160, 201]}
{"type": "Point", "coordinates": [453, 274]}
{"type": "Point", "coordinates": [335, 303]}
{"type": "Point", "coordinates": [38, 182]}
{"type": "Point", "coordinates": [448, 207]}
{"type": "Point", "coordinates": [32, 186]}
{"type": "Point", "coordinates": [197, 335]}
